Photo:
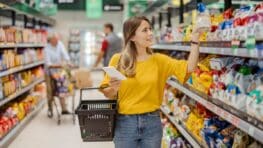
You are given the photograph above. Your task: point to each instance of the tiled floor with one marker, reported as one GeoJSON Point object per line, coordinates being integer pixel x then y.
{"type": "Point", "coordinates": [43, 132]}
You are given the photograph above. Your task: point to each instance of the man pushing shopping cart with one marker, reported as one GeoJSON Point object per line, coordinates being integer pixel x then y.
{"type": "Point", "coordinates": [55, 56]}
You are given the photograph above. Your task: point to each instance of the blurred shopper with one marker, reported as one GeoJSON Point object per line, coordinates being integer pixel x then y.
{"type": "Point", "coordinates": [55, 56]}
{"type": "Point", "coordinates": [111, 44]}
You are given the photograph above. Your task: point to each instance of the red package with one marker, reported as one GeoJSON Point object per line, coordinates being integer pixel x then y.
{"type": "Point", "coordinates": [10, 35]}
{"type": "Point", "coordinates": [2, 36]}
{"type": "Point", "coordinates": [228, 14]}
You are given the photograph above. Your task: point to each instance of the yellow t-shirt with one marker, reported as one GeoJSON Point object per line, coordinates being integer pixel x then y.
{"type": "Point", "coordinates": [144, 92]}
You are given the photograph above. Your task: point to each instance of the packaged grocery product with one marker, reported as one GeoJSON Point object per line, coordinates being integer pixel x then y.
{"type": "Point", "coordinates": [241, 140]}
{"type": "Point", "coordinates": [10, 35]}
{"type": "Point", "coordinates": [219, 63]}
{"type": "Point", "coordinates": [255, 144]}
{"type": "Point", "coordinates": [203, 19]}
{"type": "Point", "coordinates": [195, 123]}
{"type": "Point", "coordinates": [18, 35]}
{"type": "Point", "coordinates": [2, 36]}
{"type": "Point", "coordinates": [254, 103]}
{"type": "Point", "coordinates": [187, 33]}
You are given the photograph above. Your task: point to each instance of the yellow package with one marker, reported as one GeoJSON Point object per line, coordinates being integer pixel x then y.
{"type": "Point", "coordinates": [187, 33]}
{"type": "Point", "coordinates": [203, 37]}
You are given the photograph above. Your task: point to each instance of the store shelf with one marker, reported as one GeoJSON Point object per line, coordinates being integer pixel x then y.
{"type": "Point", "coordinates": [240, 52]}
{"type": "Point", "coordinates": [153, 6]}
{"type": "Point", "coordinates": [247, 127]}
{"type": "Point", "coordinates": [25, 9]}
{"type": "Point", "coordinates": [180, 128]}
{"type": "Point", "coordinates": [75, 51]}
{"type": "Point", "coordinates": [18, 128]}
{"type": "Point", "coordinates": [20, 92]}
{"type": "Point", "coordinates": [20, 68]}
{"type": "Point", "coordinates": [21, 45]}
{"type": "Point", "coordinates": [75, 42]}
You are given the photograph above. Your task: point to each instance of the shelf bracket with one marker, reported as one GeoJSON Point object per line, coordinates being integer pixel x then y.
{"type": "Point", "coordinates": [160, 20]}
{"type": "Point", "coordinates": [25, 21]}
{"type": "Point", "coordinates": [13, 16]}
{"type": "Point", "coordinates": [228, 4]}
{"type": "Point", "coordinates": [169, 16]}
{"type": "Point", "coordinates": [181, 12]}
{"type": "Point", "coordinates": [34, 23]}
{"type": "Point", "coordinates": [153, 21]}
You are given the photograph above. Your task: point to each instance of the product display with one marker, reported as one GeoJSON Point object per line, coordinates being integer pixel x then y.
{"type": "Point", "coordinates": [171, 137]}
{"type": "Point", "coordinates": [12, 35]}
{"type": "Point", "coordinates": [230, 87]}
{"type": "Point", "coordinates": [244, 24]}
{"type": "Point", "coordinates": [11, 58]}
{"type": "Point", "coordinates": [15, 112]}
{"type": "Point", "coordinates": [15, 82]}
{"type": "Point", "coordinates": [207, 128]}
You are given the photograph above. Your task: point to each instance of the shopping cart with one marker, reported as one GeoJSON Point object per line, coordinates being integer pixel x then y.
{"type": "Point", "coordinates": [96, 118]}
{"type": "Point", "coordinates": [63, 86]}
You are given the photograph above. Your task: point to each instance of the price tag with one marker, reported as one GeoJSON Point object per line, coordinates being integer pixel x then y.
{"type": "Point", "coordinates": [234, 120]}
{"type": "Point", "coordinates": [210, 106]}
{"type": "Point", "coordinates": [225, 114]}
{"type": "Point", "coordinates": [250, 42]}
{"type": "Point", "coordinates": [220, 111]}
{"type": "Point", "coordinates": [251, 130]}
{"type": "Point", "coordinates": [235, 44]}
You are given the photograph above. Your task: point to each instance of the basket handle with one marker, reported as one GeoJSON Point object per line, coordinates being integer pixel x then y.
{"type": "Point", "coordinates": [88, 88]}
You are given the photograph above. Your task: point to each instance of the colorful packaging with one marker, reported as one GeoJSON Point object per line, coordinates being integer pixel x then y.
{"type": "Point", "coordinates": [203, 19]}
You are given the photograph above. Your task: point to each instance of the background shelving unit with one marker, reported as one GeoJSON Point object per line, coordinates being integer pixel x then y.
{"type": "Point", "coordinates": [163, 13]}
{"type": "Point", "coordinates": [74, 46]}
{"type": "Point", "coordinates": [19, 128]}
{"type": "Point", "coordinates": [241, 120]}
{"type": "Point", "coordinates": [17, 11]}
{"type": "Point", "coordinates": [219, 48]}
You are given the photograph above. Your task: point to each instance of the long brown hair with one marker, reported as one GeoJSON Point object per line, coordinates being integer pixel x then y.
{"type": "Point", "coordinates": [127, 62]}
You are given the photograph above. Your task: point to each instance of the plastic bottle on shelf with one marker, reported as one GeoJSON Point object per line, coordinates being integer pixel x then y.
{"type": "Point", "coordinates": [203, 21]}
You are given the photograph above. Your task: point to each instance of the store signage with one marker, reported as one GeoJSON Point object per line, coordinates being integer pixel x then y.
{"type": "Point", "coordinates": [94, 8]}
{"type": "Point", "coordinates": [65, 1]}
{"type": "Point", "coordinates": [117, 7]}
{"type": "Point", "coordinates": [136, 7]}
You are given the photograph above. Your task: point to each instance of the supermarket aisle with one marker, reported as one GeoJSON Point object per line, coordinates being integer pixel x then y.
{"type": "Point", "coordinates": [43, 132]}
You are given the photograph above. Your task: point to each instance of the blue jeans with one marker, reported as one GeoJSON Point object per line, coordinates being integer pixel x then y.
{"type": "Point", "coordinates": [138, 131]}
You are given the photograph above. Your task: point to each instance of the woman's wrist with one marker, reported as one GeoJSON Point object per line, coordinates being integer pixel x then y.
{"type": "Point", "coordinates": [195, 37]}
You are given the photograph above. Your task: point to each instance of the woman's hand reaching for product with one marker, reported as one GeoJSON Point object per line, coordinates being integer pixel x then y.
{"type": "Point", "coordinates": [112, 90]}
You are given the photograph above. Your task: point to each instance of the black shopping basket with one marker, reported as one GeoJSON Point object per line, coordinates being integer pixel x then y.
{"type": "Point", "coordinates": [96, 118]}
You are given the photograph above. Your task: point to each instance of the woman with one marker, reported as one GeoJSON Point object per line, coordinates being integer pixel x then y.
{"type": "Point", "coordinates": [139, 97]}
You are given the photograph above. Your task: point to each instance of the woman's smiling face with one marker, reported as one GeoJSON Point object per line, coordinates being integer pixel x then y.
{"type": "Point", "coordinates": [143, 36]}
